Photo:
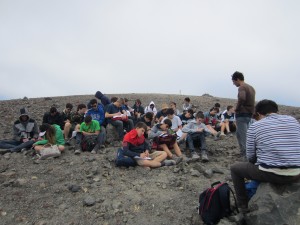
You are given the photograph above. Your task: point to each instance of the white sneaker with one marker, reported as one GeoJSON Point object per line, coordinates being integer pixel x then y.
{"type": "Point", "coordinates": [204, 157]}
{"type": "Point", "coordinates": [195, 156]}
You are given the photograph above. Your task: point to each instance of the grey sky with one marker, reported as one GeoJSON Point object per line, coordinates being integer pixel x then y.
{"type": "Point", "coordinates": [57, 48]}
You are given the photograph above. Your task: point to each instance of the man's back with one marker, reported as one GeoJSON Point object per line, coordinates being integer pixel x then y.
{"type": "Point", "coordinates": [246, 99]}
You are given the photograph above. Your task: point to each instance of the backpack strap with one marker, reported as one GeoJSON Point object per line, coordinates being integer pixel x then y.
{"type": "Point", "coordinates": [235, 202]}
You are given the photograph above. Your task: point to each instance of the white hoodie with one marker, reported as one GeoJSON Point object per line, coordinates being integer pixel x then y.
{"type": "Point", "coordinates": [149, 109]}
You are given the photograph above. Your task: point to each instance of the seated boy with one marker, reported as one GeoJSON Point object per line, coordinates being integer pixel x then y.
{"type": "Point", "coordinates": [135, 147]}
{"type": "Point", "coordinates": [196, 131]}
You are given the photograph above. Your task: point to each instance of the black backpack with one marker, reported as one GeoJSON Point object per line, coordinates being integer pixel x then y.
{"type": "Point", "coordinates": [88, 142]}
{"type": "Point", "coordinates": [214, 203]}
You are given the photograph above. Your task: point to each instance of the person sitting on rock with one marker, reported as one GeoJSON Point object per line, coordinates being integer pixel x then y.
{"type": "Point", "coordinates": [186, 104]}
{"type": "Point", "coordinates": [162, 113]}
{"type": "Point", "coordinates": [25, 133]}
{"type": "Point", "coordinates": [54, 117]}
{"type": "Point", "coordinates": [66, 115]}
{"type": "Point", "coordinates": [272, 151]}
{"type": "Point", "coordinates": [113, 111]}
{"type": "Point", "coordinates": [50, 134]}
{"type": "Point", "coordinates": [97, 113]}
{"type": "Point", "coordinates": [135, 147]}
{"type": "Point", "coordinates": [196, 132]}
{"type": "Point", "coordinates": [176, 121]}
{"type": "Point", "coordinates": [147, 118]}
{"type": "Point", "coordinates": [174, 107]}
{"type": "Point", "coordinates": [187, 116]}
{"type": "Point", "coordinates": [87, 128]}
{"type": "Point", "coordinates": [228, 124]}
{"type": "Point", "coordinates": [212, 122]}
{"type": "Point", "coordinates": [151, 108]}
{"type": "Point", "coordinates": [157, 134]}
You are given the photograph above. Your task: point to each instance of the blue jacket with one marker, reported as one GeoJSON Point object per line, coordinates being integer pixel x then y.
{"type": "Point", "coordinates": [97, 114]}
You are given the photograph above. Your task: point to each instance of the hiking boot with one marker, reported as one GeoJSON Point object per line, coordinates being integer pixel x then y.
{"type": "Point", "coordinates": [77, 152]}
{"type": "Point", "coordinates": [204, 157]}
{"type": "Point", "coordinates": [94, 151]}
{"type": "Point", "coordinates": [229, 134]}
{"type": "Point", "coordinates": [177, 159]}
{"type": "Point", "coordinates": [169, 162]}
{"type": "Point", "coordinates": [222, 136]}
{"type": "Point", "coordinates": [195, 155]}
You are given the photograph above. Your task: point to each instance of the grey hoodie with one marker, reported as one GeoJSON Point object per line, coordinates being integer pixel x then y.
{"type": "Point", "coordinates": [192, 127]}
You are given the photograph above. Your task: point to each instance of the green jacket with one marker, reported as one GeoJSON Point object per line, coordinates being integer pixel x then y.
{"type": "Point", "coordinates": [59, 137]}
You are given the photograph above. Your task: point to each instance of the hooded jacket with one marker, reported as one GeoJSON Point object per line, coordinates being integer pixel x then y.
{"type": "Point", "coordinates": [149, 109]}
{"type": "Point", "coordinates": [192, 127]}
{"type": "Point", "coordinates": [104, 99]}
{"type": "Point", "coordinates": [25, 129]}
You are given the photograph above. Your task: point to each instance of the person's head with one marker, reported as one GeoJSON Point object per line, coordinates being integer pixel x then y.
{"type": "Point", "coordinates": [265, 107]}
{"type": "Point", "coordinates": [152, 105]}
{"type": "Point", "coordinates": [170, 113]}
{"type": "Point", "coordinates": [126, 101]}
{"type": "Point", "coordinates": [94, 103]}
{"type": "Point", "coordinates": [217, 105]}
{"type": "Point", "coordinates": [230, 109]}
{"type": "Point", "coordinates": [119, 102]}
{"type": "Point", "coordinates": [173, 105]}
{"type": "Point", "coordinates": [24, 115]}
{"type": "Point", "coordinates": [166, 124]}
{"type": "Point", "coordinates": [189, 113]}
{"type": "Point", "coordinates": [141, 128]}
{"type": "Point", "coordinates": [199, 117]}
{"type": "Point", "coordinates": [187, 100]}
{"type": "Point", "coordinates": [69, 107]}
{"type": "Point", "coordinates": [148, 116]}
{"type": "Point", "coordinates": [138, 102]}
{"type": "Point", "coordinates": [164, 107]}
{"type": "Point", "coordinates": [53, 111]}
{"type": "Point", "coordinates": [113, 99]}
{"type": "Point", "coordinates": [214, 111]}
{"type": "Point", "coordinates": [237, 78]}
{"type": "Point", "coordinates": [48, 131]}
{"type": "Point", "coordinates": [81, 108]}
{"type": "Point", "coordinates": [88, 119]}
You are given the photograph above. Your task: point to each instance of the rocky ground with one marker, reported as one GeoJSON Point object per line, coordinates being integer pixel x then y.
{"type": "Point", "coordinates": [89, 189]}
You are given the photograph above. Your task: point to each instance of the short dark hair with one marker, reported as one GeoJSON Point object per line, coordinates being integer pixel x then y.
{"type": "Point", "coordinates": [113, 99]}
{"type": "Point", "coordinates": [138, 101]}
{"type": "Point", "coordinates": [237, 75]}
{"type": "Point", "coordinates": [69, 106]}
{"type": "Point", "coordinates": [200, 115]}
{"type": "Point", "coordinates": [81, 106]}
{"type": "Point", "coordinates": [168, 122]}
{"type": "Point", "coordinates": [229, 107]}
{"type": "Point", "coordinates": [141, 125]}
{"type": "Point", "coordinates": [187, 99]}
{"type": "Point", "coordinates": [53, 109]}
{"type": "Point", "coordinates": [266, 106]}
{"type": "Point", "coordinates": [190, 111]}
{"type": "Point", "coordinates": [170, 111]}
{"type": "Point", "coordinates": [93, 101]}
{"type": "Point", "coordinates": [149, 115]}
{"type": "Point", "coordinates": [88, 119]}
{"type": "Point", "coordinates": [217, 104]}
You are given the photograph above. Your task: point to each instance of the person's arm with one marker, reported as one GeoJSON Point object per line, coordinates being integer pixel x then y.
{"type": "Point", "coordinates": [250, 145]}
{"type": "Point", "coordinates": [128, 152]}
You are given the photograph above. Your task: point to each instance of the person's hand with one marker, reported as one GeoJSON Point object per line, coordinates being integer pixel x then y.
{"type": "Point", "coordinates": [118, 114]}
{"type": "Point", "coordinates": [143, 155]}
{"type": "Point", "coordinates": [200, 129]}
{"type": "Point", "coordinates": [147, 153]}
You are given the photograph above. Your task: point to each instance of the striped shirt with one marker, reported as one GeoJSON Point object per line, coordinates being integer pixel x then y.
{"type": "Point", "coordinates": [275, 142]}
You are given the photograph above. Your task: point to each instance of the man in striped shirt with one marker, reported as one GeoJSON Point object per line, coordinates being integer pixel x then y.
{"type": "Point", "coordinates": [273, 151]}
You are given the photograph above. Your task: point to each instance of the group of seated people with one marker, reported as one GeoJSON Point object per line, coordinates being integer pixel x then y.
{"type": "Point", "coordinates": [58, 128]}
{"type": "Point", "coordinates": [149, 139]}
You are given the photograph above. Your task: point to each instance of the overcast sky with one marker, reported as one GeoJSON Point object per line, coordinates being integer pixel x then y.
{"type": "Point", "coordinates": [192, 47]}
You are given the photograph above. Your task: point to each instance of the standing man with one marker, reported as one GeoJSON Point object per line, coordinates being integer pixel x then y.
{"type": "Point", "coordinates": [244, 109]}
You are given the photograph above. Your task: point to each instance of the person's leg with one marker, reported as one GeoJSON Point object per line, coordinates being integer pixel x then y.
{"type": "Point", "coordinates": [27, 145]}
{"type": "Point", "coordinates": [130, 125]}
{"type": "Point", "coordinates": [242, 124]}
{"type": "Point", "coordinates": [165, 148]}
{"type": "Point", "coordinates": [67, 128]}
{"type": "Point", "coordinates": [242, 170]}
{"type": "Point", "coordinates": [120, 129]}
{"type": "Point", "coordinates": [204, 156]}
{"type": "Point", "coordinates": [177, 149]}
{"type": "Point", "coordinates": [190, 142]}
{"type": "Point", "coordinates": [8, 144]}
{"type": "Point", "coordinates": [103, 133]}
{"type": "Point", "coordinates": [157, 158]}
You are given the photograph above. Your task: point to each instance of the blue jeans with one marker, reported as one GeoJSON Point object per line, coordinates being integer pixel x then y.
{"type": "Point", "coordinates": [15, 146]}
{"type": "Point", "coordinates": [242, 125]}
{"type": "Point", "coordinates": [198, 136]}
